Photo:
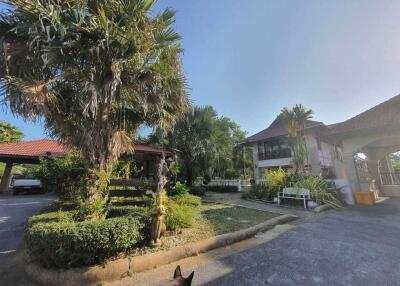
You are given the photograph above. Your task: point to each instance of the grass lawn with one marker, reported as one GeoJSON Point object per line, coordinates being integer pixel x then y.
{"type": "Point", "coordinates": [225, 218]}
{"type": "Point", "coordinates": [214, 219]}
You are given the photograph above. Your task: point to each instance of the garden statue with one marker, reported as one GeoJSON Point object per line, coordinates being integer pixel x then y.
{"type": "Point", "coordinates": [159, 209]}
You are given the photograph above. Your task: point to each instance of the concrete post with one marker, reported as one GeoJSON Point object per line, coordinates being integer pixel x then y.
{"type": "Point", "coordinates": [350, 177]}
{"type": "Point", "coordinates": [5, 179]}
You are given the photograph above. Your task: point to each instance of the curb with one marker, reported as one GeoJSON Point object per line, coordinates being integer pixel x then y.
{"type": "Point", "coordinates": [322, 208]}
{"type": "Point", "coordinates": [121, 268]}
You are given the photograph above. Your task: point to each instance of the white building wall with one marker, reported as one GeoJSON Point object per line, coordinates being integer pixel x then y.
{"type": "Point", "coordinates": [316, 157]}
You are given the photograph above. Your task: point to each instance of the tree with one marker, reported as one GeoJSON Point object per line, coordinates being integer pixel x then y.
{"type": "Point", "coordinates": [395, 160]}
{"type": "Point", "coordinates": [205, 143]}
{"type": "Point", "coordinates": [296, 120]}
{"type": "Point", "coordinates": [95, 71]}
{"type": "Point", "coordinates": [243, 160]}
{"type": "Point", "coordinates": [9, 133]}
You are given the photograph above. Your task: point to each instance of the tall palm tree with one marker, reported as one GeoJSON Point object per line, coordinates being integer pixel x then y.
{"type": "Point", "coordinates": [296, 120]}
{"type": "Point", "coordinates": [94, 71]}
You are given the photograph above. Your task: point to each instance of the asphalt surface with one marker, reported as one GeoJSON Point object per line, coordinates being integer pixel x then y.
{"type": "Point", "coordinates": [355, 246]}
{"type": "Point", "coordinates": [14, 213]}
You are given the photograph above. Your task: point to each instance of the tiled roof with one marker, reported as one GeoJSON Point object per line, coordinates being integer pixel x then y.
{"type": "Point", "coordinates": [386, 114]}
{"type": "Point", "coordinates": [277, 129]}
{"type": "Point", "coordinates": [141, 148]}
{"type": "Point", "coordinates": [34, 148]}
{"type": "Point", "coordinates": [39, 148]}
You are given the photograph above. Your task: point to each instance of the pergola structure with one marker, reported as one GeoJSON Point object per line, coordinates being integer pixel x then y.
{"type": "Point", "coordinates": [30, 152]}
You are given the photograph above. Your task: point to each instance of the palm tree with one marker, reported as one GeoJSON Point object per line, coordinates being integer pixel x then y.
{"type": "Point", "coordinates": [95, 71]}
{"type": "Point", "coordinates": [296, 120]}
{"type": "Point", "coordinates": [9, 133]}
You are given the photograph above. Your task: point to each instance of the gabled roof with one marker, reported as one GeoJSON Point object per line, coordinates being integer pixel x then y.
{"type": "Point", "coordinates": [31, 151]}
{"type": "Point", "coordinates": [383, 115]}
{"type": "Point", "coordinates": [141, 148]}
{"type": "Point", "coordinates": [277, 129]}
{"type": "Point", "coordinates": [35, 148]}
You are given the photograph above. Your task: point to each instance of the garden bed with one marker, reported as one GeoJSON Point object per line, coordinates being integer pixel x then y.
{"type": "Point", "coordinates": [58, 239]}
{"type": "Point", "coordinates": [214, 219]}
{"type": "Point", "coordinates": [123, 267]}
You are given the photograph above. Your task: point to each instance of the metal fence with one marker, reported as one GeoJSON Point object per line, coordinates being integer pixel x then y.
{"type": "Point", "coordinates": [242, 185]}
{"type": "Point", "coordinates": [390, 178]}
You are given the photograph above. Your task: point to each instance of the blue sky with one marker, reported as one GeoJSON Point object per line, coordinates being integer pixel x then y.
{"type": "Point", "coordinates": [249, 59]}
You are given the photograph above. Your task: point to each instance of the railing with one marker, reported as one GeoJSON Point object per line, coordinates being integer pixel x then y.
{"type": "Point", "coordinates": [281, 154]}
{"type": "Point", "coordinates": [390, 178]}
{"type": "Point", "coordinates": [261, 181]}
{"type": "Point", "coordinates": [241, 184]}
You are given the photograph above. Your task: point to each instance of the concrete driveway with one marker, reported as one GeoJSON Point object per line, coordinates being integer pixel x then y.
{"type": "Point", "coordinates": [356, 246]}
{"type": "Point", "coordinates": [14, 213]}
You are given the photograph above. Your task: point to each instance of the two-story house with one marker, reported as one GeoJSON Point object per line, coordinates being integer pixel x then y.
{"type": "Point", "coordinates": [355, 152]}
{"type": "Point", "coordinates": [270, 150]}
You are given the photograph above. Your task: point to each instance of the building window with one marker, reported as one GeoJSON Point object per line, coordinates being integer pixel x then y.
{"type": "Point", "coordinates": [276, 149]}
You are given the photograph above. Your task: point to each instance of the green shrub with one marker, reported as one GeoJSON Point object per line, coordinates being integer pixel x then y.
{"type": "Point", "coordinates": [178, 190]}
{"type": "Point", "coordinates": [197, 190]}
{"type": "Point", "coordinates": [65, 176]}
{"type": "Point", "coordinates": [222, 189]}
{"type": "Point", "coordinates": [275, 178]}
{"type": "Point", "coordinates": [57, 241]}
{"type": "Point", "coordinates": [261, 192]}
{"type": "Point", "coordinates": [179, 216]}
{"type": "Point", "coordinates": [188, 200]}
{"type": "Point", "coordinates": [317, 187]}
{"type": "Point", "coordinates": [117, 211]}
{"type": "Point", "coordinates": [53, 217]}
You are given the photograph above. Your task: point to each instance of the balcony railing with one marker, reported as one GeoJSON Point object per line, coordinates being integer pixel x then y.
{"type": "Point", "coordinates": [390, 178]}
{"type": "Point", "coordinates": [281, 154]}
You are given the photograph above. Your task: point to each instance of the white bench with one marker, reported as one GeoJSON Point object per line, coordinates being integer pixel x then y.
{"type": "Point", "coordinates": [295, 194]}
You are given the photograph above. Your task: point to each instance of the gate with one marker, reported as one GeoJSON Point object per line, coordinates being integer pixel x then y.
{"type": "Point", "coordinates": [363, 174]}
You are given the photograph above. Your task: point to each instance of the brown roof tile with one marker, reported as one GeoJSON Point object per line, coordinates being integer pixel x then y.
{"type": "Point", "coordinates": [35, 148]}
{"type": "Point", "coordinates": [277, 129]}
{"type": "Point", "coordinates": [386, 114]}
{"type": "Point", "coordinates": [39, 148]}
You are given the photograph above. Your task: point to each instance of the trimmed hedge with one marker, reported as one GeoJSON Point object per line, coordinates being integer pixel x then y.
{"type": "Point", "coordinates": [222, 189]}
{"type": "Point", "coordinates": [55, 240]}
{"type": "Point", "coordinates": [197, 191]}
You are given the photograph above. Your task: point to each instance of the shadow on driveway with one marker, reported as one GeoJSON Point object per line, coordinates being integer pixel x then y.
{"type": "Point", "coordinates": [14, 213]}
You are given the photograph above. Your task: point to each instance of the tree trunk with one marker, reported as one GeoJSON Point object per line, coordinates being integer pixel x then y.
{"type": "Point", "coordinates": [96, 194]}
{"type": "Point", "coordinates": [189, 176]}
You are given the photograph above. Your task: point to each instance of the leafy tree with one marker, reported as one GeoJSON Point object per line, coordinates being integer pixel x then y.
{"type": "Point", "coordinates": [95, 71]}
{"type": "Point", "coordinates": [395, 160]}
{"type": "Point", "coordinates": [243, 160]}
{"type": "Point", "coordinates": [296, 119]}
{"type": "Point", "coordinates": [9, 133]}
{"type": "Point", "coordinates": [205, 143]}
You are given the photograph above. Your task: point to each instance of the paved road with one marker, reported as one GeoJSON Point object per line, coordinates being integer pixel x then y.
{"type": "Point", "coordinates": [356, 246]}
{"type": "Point", "coordinates": [14, 213]}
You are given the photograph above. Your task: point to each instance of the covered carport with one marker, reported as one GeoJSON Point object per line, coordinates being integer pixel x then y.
{"type": "Point", "coordinates": [30, 152]}
{"type": "Point", "coordinates": [366, 140]}
{"type": "Point", "coordinates": [26, 152]}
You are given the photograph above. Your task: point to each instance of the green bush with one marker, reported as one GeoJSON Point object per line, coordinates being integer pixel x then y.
{"type": "Point", "coordinates": [179, 216]}
{"type": "Point", "coordinates": [118, 211]}
{"type": "Point", "coordinates": [197, 190]}
{"type": "Point", "coordinates": [56, 240]}
{"type": "Point", "coordinates": [222, 189]}
{"type": "Point", "coordinates": [178, 190]}
{"type": "Point", "coordinates": [261, 192]}
{"type": "Point", "coordinates": [275, 178]}
{"type": "Point", "coordinates": [65, 176]}
{"type": "Point", "coordinates": [188, 200]}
